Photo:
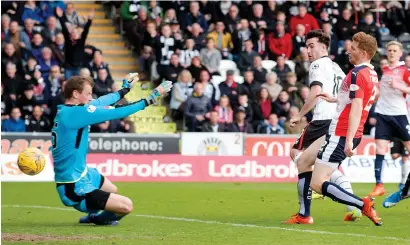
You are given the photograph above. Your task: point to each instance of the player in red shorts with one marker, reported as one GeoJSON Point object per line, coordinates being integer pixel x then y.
{"type": "Point", "coordinates": [356, 96]}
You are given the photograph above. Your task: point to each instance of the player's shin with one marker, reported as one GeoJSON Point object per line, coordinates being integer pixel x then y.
{"type": "Point", "coordinates": [406, 189]}
{"type": "Point", "coordinates": [405, 169]}
{"type": "Point", "coordinates": [304, 193]}
{"type": "Point", "coordinates": [339, 179]}
{"type": "Point", "coordinates": [338, 194]}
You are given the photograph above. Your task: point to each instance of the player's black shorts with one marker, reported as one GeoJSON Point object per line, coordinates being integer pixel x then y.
{"type": "Point", "coordinates": [397, 147]}
{"type": "Point", "coordinates": [389, 127]}
{"type": "Point", "coordinates": [332, 152]}
{"type": "Point", "coordinates": [313, 131]}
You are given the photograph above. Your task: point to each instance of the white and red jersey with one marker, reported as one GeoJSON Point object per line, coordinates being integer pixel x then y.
{"type": "Point", "coordinates": [360, 82]}
{"type": "Point", "coordinates": [392, 102]}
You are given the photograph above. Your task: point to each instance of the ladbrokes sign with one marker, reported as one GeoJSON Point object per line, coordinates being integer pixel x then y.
{"type": "Point", "coordinates": [281, 146]}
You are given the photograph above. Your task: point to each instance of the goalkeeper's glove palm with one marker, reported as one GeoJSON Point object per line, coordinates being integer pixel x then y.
{"type": "Point", "coordinates": [159, 91]}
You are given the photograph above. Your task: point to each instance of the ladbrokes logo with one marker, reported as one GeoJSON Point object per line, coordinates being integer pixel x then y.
{"type": "Point", "coordinates": [251, 169]}
{"type": "Point", "coordinates": [113, 167]}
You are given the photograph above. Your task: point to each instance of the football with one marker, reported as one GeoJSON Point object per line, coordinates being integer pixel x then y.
{"type": "Point", "coordinates": [31, 161]}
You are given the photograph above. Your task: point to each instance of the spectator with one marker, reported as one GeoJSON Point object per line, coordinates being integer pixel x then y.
{"type": "Point", "coordinates": [54, 81]}
{"type": "Point", "coordinates": [251, 86]}
{"type": "Point", "coordinates": [179, 36]}
{"type": "Point", "coordinates": [37, 46]}
{"type": "Point", "coordinates": [173, 69]}
{"type": "Point", "coordinates": [213, 125]}
{"type": "Point", "coordinates": [29, 68]}
{"type": "Point", "coordinates": [12, 82]}
{"type": "Point", "coordinates": [41, 89]}
{"type": "Point", "coordinates": [211, 57]}
{"type": "Point", "coordinates": [170, 15]}
{"type": "Point", "coordinates": [224, 109]}
{"type": "Point", "coordinates": [302, 65]}
{"type": "Point", "coordinates": [271, 11]}
{"type": "Point", "coordinates": [74, 44]}
{"type": "Point", "coordinates": [343, 58]}
{"type": "Point", "coordinates": [262, 109]}
{"type": "Point", "coordinates": [369, 27]}
{"type": "Point", "coordinates": [182, 89]}
{"type": "Point", "coordinates": [196, 108]}
{"type": "Point", "coordinates": [292, 87]}
{"type": "Point", "coordinates": [196, 68]}
{"type": "Point", "coordinates": [103, 84]}
{"type": "Point", "coordinates": [20, 40]}
{"type": "Point", "coordinates": [46, 61]}
{"type": "Point", "coordinates": [198, 36]}
{"type": "Point", "coordinates": [303, 18]}
{"type": "Point", "coordinates": [262, 44]}
{"type": "Point", "coordinates": [298, 40]}
{"type": "Point", "coordinates": [240, 36]}
{"type": "Point", "coordinates": [232, 19]}
{"type": "Point", "coordinates": [98, 63]}
{"type": "Point", "coordinates": [407, 61]}
{"type": "Point", "coordinates": [304, 94]}
{"type": "Point", "coordinates": [9, 56]}
{"type": "Point", "coordinates": [194, 16]}
{"type": "Point", "coordinates": [73, 20]}
{"type": "Point", "coordinates": [49, 7]}
{"type": "Point", "coordinates": [37, 122]}
{"type": "Point", "coordinates": [14, 123]}
{"type": "Point", "coordinates": [155, 11]}
{"type": "Point", "coordinates": [85, 72]}
{"type": "Point", "coordinates": [273, 127]}
{"type": "Point", "coordinates": [5, 26]}
{"type": "Point", "coordinates": [165, 46]}
{"type": "Point", "coordinates": [243, 101]}
{"type": "Point", "coordinates": [241, 125]}
{"type": "Point", "coordinates": [49, 33]}
{"type": "Point", "coordinates": [272, 85]}
{"type": "Point", "coordinates": [33, 12]}
{"type": "Point", "coordinates": [58, 48]}
{"type": "Point", "coordinates": [6, 104]}
{"type": "Point", "coordinates": [29, 28]}
{"type": "Point", "coordinates": [231, 88]}
{"type": "Point", "coordinates": [146, 60]}
{"type": "Point", "coordinates": [150, 35]}
{"type": "Point", "coordinates": [57, 100]}
{"type": "Point", "coordinates": [258, 71]}
{"type": "Point", "coordinates": [186, 55]}
{"type": "Point", "coordinates": [334, 42]}
{"type": "Point", "coordinates": [395, 18]}
{"type": "Point", "coordinates": [13, 8]}
{"type": "Point", "coordinates": [222, 39]}
{"type": "Point", "coordinates": [258, 20]}
{"type": "Point", "coordinates": [27, 101]}
{"type": "Point", "coordinates": [280, 43]}
{"type": "Point", "coordinates": [281, 68]}
{"type": "Point", "coordinates": [210, 90]}
{"type": "Point", "coordinates": [298, 128]}
{"type": "Point", "coordinates": [247, 56]}
{"type": "Point", "coordinates": [112, 126]}
{"type": "Point", "coordinates": [357, 9]}
{"type": "Point", "coordinates": [245, 9]}
{"type": "Point", "coordinates": [345, 27]}
{"type": "Point", "coordinates": [209, 10]}
{"type": "Point", "coordinates": [282, 106]}
{"type": "Point", "coordinates": [379, 13]}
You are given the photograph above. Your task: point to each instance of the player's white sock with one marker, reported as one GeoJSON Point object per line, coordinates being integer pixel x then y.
{"type": "Point", "coordinates": [405, 169]}
{"type": "Point", "coordinates": [339, 179]}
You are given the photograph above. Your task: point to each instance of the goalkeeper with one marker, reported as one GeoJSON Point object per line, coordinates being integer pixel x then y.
{"type": "Point", "coordinates": [79, 186]}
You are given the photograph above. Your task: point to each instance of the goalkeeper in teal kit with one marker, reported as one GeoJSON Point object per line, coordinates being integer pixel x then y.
{"type": "Point", "coordinates": [79, 186]}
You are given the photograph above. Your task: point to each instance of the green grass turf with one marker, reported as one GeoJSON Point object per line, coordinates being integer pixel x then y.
{"type": "Point", "coordinates": [262, 205]}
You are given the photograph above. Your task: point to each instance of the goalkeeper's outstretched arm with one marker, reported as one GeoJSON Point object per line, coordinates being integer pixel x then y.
{"type": "Point", "coordinates": [84, 115]}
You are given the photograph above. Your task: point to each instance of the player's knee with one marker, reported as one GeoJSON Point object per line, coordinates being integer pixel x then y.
{"type": "Point", "coordinates": [114, 189]}
{"type": "Point", "coordinates": [127, 206]}
{"type": "Point", "coordinates": [395, 156]}
{"type": "Point", "coordinates": [316, 185]}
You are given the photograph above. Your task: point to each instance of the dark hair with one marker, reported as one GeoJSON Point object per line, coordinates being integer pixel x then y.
{"type": "Point", "coordinates": [76, 83]}
{"type": "Point", "coordinates": [320, 35]}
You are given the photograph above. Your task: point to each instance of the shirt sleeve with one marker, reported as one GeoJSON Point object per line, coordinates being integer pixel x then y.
{"type": "Point", "coordinates": [357, 85]}
{"type": "Point", "coordinates": [90, 114]}
{"type": "Point", "coordinates": [316, 74]}
{"type": "Point", "coordinates": [406, 76]}
{"type": "Point", "coordinates": [111, 98]}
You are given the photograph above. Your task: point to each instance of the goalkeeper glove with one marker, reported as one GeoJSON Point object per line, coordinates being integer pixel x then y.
{"type": "Point", "coordinates": [159, 91]}
{"type": "Point", "coordinates": [129, 81]}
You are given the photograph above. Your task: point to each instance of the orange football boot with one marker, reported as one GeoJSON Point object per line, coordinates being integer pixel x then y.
{"type": "Point", "coordinates": [299, 219]}
{"type": "Point", "coordinates": [378, 190]}
{"type": "Point", "coordinates": [369, 211]}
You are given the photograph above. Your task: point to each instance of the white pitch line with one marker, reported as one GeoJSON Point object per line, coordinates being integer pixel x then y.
{"type": "Point", "coordinates": [226, 223]}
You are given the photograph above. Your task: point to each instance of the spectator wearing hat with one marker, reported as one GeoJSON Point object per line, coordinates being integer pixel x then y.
{"type": "Point", "coordinates": [37, 122]}
{"type": "Point", "coordinates": [247, 56]}
{"type": "Point", "coordinates": [15, 123]}
{"type": "Point", "coordinates": [303, 18]}
{"type": "Point", "coordinates": [280, 43]}
{"type": "Point", "coordinates": [196, 108]}
{"type": "Point", "coordinates": [231, 88]}
{"type": "Point", "coordinates": [272, 127]}
{"type": "Point", "coordinates": [27, 101]}
{"type": "Point", "coordinates": [211, 57]}
{"type": "Point", "coordinates": [240, 125]}
{"type": "Point", "coordinates": [179, 36]}
{"type": "Point", "coordinates": [213, 125]}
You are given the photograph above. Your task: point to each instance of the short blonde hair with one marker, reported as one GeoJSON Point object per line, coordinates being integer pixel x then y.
{"type": "Point", "coordinates": [394, 43]}
{"type": "Point", "coordinates": [366, 43]}
{"type": "Point", "coordinates": [185, 73]}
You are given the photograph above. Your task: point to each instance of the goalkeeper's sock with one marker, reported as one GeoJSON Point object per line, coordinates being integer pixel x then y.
{"type": "Point", "coordinates": [378, 166]}
{"type": "Point", "coordinates": [105, 217]}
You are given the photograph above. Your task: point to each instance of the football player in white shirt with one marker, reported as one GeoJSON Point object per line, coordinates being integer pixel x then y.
{"type": "Point", "coordinates": [325, 76]}
{"type": "Point", "coordinates": [391, 109]}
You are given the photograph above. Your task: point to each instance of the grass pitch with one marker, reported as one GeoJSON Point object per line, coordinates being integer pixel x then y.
{"type": "Point", "coordinates": [196, 214]}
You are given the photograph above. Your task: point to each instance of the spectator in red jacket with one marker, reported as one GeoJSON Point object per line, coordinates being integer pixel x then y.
{"type": "Point", "coordinates": [303, 18]}
{"type": "Point", "coordinates": [280, 43]}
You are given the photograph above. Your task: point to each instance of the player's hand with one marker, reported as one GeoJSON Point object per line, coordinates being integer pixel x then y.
{"type": "Point", "coordinates": [91, 14]}
{"type": "Point", "coordinates": [294, 120]}
{"type": "Point", "coordinates": [159, 91]}
{"type": "Point", "coordinates": [130, 80]}
{"type": "Point", "coordinates": [327, 97]}
{"type": "Point", "coordinates": [349, 148]}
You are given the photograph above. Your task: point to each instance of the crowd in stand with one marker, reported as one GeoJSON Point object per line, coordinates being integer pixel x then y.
{"type": "Point", "coordinates": [186, 42]}
{"type": "Point", "coordinates": [43, 44]}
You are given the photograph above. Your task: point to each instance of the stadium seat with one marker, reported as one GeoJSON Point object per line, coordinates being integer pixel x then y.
{"type": "Point", "coordinates": [227, 65]}
{"type": "Point", "coordinates": [239, 79]}
{"type": "Point", "coordinates": [291, 65]}
{"type": "Point", "coordinates": [268, 64]}
{"type": "Point", "coordinates": [387, 38]}
{"type": "Point", "coordinates": [216, 80]}
{"type": "Point", "coordinates": [405, 37]}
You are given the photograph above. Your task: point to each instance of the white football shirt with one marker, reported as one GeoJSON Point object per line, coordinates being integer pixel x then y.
{"type": "Point", "coordinates": [327, 74]}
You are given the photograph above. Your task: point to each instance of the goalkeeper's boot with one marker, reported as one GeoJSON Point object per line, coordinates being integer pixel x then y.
{"type": "Point", "coordinates": [393, 199]}
{"type": "Point", "coordinates": [316, 195]}
{"type": "Point", "coordinates": [299, 219]}
{"type": "Point", "coordinates": [378, 190]}
{"type": "Point", "coordinates": [353, 215]}
{"type": "Point", "coordinates": [369, 211]}
{"type": "Point", "coordinates": [89, 219]}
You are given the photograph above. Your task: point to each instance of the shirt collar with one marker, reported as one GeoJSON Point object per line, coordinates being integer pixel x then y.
{"type": "Point", "coordinates": [366, 64]}
{"type": "Point", "coordinates": [400, 63]}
